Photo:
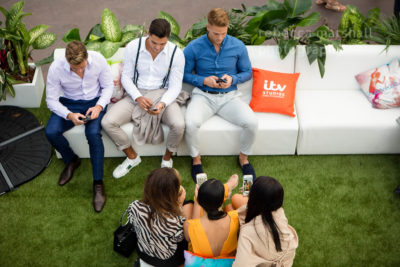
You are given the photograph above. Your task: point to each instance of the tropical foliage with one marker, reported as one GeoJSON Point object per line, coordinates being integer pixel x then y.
{"type": "Point", "coordinates": [107, 36]}
{"type": "Point", "coordinates": [16, 43]}
{"type": "Point", "coordinates": [354, 28]}
{"type": "Point", "coordinates": [387, 31]}
{"type": "Point", "coordinates": [275, 20]}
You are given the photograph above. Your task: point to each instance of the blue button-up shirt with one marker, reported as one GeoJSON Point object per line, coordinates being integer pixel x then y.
{"type": "Point", "coordinates": [202, 58]}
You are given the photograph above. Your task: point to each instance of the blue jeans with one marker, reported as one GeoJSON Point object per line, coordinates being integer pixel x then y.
{"type": "Point", "coordinates": [57, 125]}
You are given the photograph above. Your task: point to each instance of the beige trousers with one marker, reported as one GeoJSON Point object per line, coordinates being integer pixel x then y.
{"type": "Point", "coordinates": [121, 113]}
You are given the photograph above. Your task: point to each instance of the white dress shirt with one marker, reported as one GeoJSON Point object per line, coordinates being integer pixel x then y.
{"type": "Point", "coordinates": [152, 72]}
{"type": "Point", "coordinates": [61, 80]}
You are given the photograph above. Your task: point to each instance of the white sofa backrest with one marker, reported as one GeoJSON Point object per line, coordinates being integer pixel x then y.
{"type": "Point", "coordinates": [341, 66]}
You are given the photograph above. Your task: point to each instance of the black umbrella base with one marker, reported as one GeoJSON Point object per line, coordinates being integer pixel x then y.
{"type": "Point", "coordinates": [24, 149]}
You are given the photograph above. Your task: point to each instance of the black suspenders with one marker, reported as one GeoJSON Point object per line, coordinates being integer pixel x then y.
{"type": "Point", "coordinates": [136, 73]}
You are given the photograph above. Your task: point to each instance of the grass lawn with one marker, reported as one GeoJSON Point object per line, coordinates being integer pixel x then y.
{"type": "Point", "coordinates": [342, 207]}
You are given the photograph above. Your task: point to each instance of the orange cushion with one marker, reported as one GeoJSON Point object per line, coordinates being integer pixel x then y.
{"type": "Point", "coordinates": [273, 91]}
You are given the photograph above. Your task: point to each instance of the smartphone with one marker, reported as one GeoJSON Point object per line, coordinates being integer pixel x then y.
{"type": "Point", "coordinates": [86, 119]}
{"type": "Point", "coordinates": [247, 183]}
{"type": "Point", "coordinates": [201, 178]}
{"type": "Point", "coordinates": [221, 80]}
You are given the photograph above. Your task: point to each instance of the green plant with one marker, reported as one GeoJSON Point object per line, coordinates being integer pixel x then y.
{"type": "Point", "coordinates": [107, 36]}
{"type": "Point", "coordinates": [354, 28]}
{"type": "Point", "coordinates": [387, 31]}
{"type": "Point", "coordinates": [236, 28]}
{"type": "Point", "coordinates": [279, 21]}
{"type": "Point", "coordinates": [7, 66]}
{"type": "Point", "coordinates": [22, 39]}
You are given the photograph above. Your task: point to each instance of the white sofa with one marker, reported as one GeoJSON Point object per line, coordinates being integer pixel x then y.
{"type": "Point", "coordinates": [277, 134]}
{"type": "Point", "coordinates": [333, 115]}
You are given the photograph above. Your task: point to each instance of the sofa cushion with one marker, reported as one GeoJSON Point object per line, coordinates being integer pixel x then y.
{"type": "Point", "coordinates": [343, 122]}
{"type": "Point", "coordinates": [381, 85]}
{"type": "Point", "coordinates": [273, 91]}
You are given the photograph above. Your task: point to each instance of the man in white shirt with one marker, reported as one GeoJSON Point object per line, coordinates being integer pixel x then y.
{"type": "Point", "coordinates": [139, 77]}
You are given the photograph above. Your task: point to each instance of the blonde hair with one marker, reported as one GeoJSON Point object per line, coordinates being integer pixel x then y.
{"type": "Point", "coordinates": [76, 53]}
{"type": "Point", "coordinates": [218, 17]}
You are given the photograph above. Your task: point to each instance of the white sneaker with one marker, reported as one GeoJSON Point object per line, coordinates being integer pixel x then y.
{"type": "Point", "coordinates": [166, 163]}
{"type": "Point", "coordinates": [126, 166]}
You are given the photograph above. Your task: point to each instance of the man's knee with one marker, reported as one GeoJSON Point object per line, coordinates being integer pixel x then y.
{"type": "Point", "coordinates": [178, 127]}
{"type": "Point", "coordinates": [107, 123]}
{"type": "Point", "coordinates": [252, 123]}
{"type": "Point", "coordinates": [93, 133]}
{"type": "Point", "coordinates": [192, 123]}
{"type": "Point", "coordinates": [52, 133]}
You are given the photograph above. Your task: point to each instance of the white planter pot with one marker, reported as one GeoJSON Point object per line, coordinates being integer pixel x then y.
{"type": "Point", "coordinates": [27, 95]}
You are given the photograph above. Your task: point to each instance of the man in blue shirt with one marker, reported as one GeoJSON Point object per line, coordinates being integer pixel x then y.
{"type": "Point", "coordinates": [219, 62]}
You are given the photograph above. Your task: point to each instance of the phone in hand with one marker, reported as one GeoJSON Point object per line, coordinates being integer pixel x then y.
{"type": "Point", "coordinates": [201, 178]}
{"type": "Point", "coordinates": [247, 183]}
{"type": "Point", "coordinates": [85, 119]}
{"type": "Point", "coordinates": [220, 80]}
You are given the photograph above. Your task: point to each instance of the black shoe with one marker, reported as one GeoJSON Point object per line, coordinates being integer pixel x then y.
{"type": "Point", "coordinates": [68, 171]}
{"type": "Point", "coordinates": [196, 169]}
{"type": "Point", "coordinates": [397, 190]}
{"type": "Point", "coordinates": [247, 169]}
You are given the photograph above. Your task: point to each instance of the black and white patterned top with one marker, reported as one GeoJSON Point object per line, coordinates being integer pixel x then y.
{"type": "Point", "coordinates": [161, 240]}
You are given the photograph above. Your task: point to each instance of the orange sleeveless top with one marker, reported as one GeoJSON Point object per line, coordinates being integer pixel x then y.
{"type": "Point", "coordinates": [200, 245]}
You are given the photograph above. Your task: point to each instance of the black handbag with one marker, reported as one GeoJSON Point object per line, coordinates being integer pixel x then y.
{"type": "Point", "coordinates": [125, 238]}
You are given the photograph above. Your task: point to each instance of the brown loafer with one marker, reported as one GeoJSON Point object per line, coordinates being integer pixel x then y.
{"type": "Point", "coordinates": [68, 171]}
{"type": "Point", "coordinates": [99, 197]}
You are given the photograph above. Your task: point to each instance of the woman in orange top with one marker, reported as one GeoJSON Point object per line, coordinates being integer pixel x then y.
{"type": "Point", "coordinates": [215, 232]}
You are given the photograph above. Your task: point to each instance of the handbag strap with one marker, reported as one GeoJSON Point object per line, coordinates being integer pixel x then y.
{"type": "Point", "coordinates": [123, 215]}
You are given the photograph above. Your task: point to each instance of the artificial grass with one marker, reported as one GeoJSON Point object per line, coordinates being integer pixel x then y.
{"type": "Point", "coordinates": [342, 207]}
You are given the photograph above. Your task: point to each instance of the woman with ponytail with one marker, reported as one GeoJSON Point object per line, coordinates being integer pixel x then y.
{"type": "Point", "coordinates": [266, 238]}
{"type": "Point", "coordinates": [214, 232]}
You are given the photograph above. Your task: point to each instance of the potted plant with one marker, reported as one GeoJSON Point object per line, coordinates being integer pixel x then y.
{"type": "Point", "coordinates": [15, 51]}
{"type": "Point", "coordinates": [107, 37]}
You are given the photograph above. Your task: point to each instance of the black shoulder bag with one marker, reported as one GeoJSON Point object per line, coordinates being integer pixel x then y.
{"type": "Point", "coordinates": [125, 238]}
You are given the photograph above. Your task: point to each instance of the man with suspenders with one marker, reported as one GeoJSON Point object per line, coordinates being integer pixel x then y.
{"type": "Point", "coordinates": [150, 63]}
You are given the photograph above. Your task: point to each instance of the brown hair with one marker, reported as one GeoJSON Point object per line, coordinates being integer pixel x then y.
{"type": "Point", "coordinates": [160, 28]}
{"type": "Point", "coordinates": [76, 52]}
{"type": "Point", "coordinates": [218, 17]}
{"type": "Point", "coordinates": [161, 192]}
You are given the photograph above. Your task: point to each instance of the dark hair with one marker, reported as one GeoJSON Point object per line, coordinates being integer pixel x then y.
{"type": "Point", "coordinates": [211, 197]}
{"type": "Point", "coordinates": [266, 196]}
{"type": "Point", "coordinates": [161, 192]}
{"type": "Point", "coordinates": [160, 28]}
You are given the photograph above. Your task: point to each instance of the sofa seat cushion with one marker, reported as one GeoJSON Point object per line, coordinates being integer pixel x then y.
{"type": "Point", "coordinates": [276, 135]}
{"type": "Point", "coordinates": [76, 138]}
{"type": "Point", "coordinates": [344, 122]}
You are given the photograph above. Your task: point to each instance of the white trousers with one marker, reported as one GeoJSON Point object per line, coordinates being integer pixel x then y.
{"type": "Point", "coordinates": [230, 107]}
